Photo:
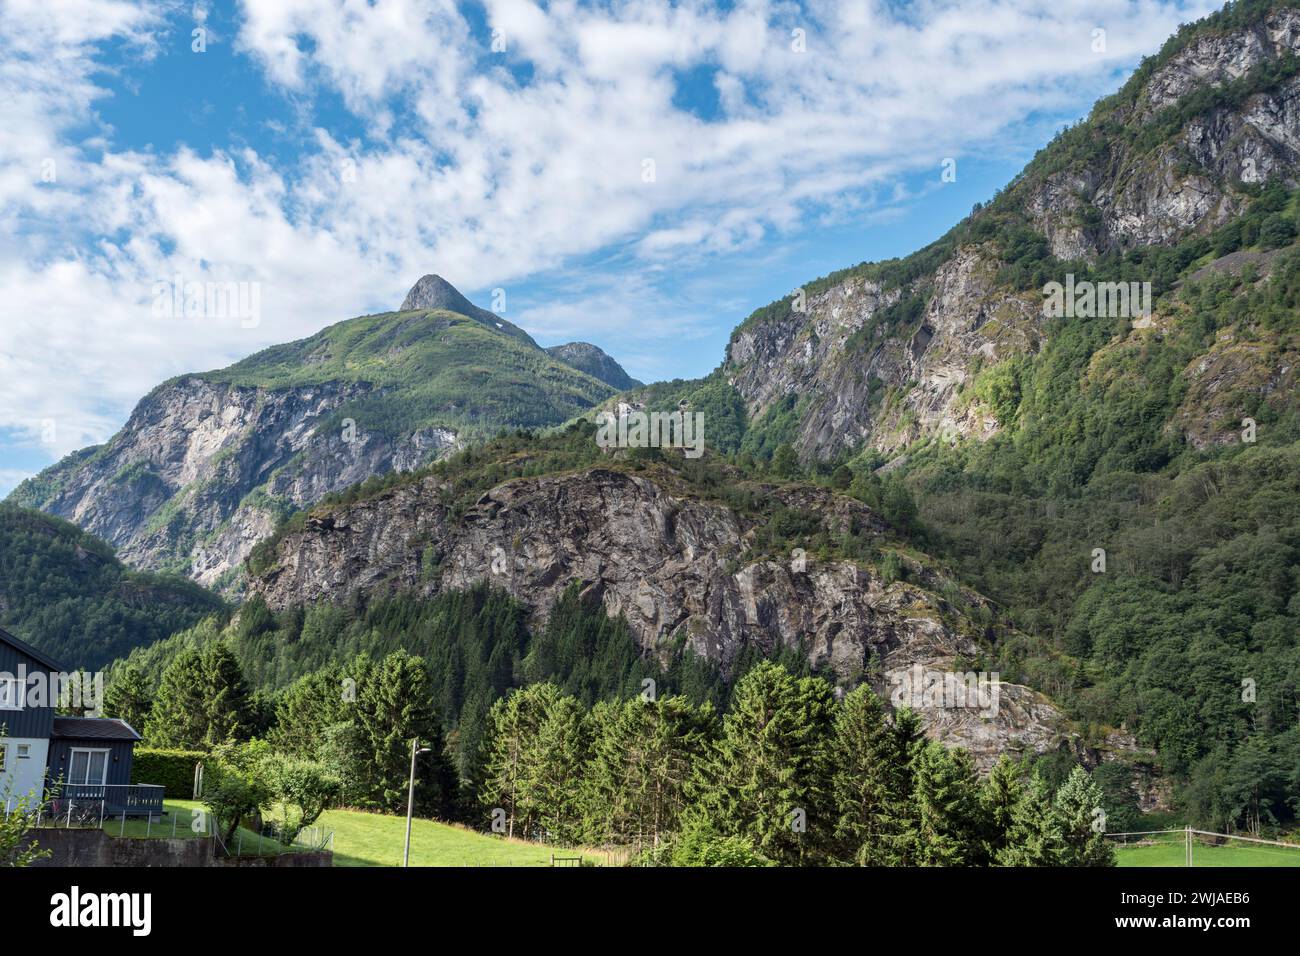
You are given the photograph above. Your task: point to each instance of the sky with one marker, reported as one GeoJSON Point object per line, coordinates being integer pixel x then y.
{"type": "Point", "coordinates": [641, 175]}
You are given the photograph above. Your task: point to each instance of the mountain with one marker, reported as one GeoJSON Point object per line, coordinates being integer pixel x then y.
{"type": "Point", "coordinates": [886, 354]}
{"type": "Point", "coordinates": [66, 593]}
{"type": "Point", "coordinates": [1101, 503]}
{"type": "Point", "coordinates": [208, 463]}
{"type": "Point", "coordinates": [433, 293]}
{"type": "Point", "coordinates": [694, 558]}
{"type": "Point", "coordinates": [586, 357]}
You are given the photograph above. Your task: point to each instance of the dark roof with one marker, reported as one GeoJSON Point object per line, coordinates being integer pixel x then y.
{"type": "Point", "coordinates": [93, 728]}
{"type": "Point", "coordinates": [39, 656]}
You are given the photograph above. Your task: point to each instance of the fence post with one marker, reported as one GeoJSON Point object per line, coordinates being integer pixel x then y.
{"type": "Point", "coordinates": [1189, 845]}
{"type": "Point", "coordinates": [70, 802]}
{"type": "Point", "coordinates": [122, 832]}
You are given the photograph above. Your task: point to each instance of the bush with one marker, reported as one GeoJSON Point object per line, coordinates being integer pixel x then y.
{"type": "Point", "coordinates": [173, 769]}
{"type": "Point", "coordinates": [1277, 231]}
{"type": "Point", "coordinates": [701, 845]}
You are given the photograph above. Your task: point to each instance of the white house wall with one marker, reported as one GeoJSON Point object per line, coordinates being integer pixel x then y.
{"type": "Point", "coordinates": [26, 776]}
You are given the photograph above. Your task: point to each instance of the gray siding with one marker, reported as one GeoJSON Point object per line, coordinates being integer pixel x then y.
{"type": "Point", "coordinates": [30, 721]}
{"type": "Point", "coordinates": [120, 755]}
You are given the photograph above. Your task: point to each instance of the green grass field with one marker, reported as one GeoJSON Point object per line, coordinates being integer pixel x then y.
{"type": "Point", "coordinates": [1168, 850]}
{"type": "Point", "coordinates": [178, 823]}
{"type": "Point", "coordinates": [374, 839]}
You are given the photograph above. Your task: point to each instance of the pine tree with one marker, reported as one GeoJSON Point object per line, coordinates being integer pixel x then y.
{"type": "Point", "coordinates": [226, 705]}
{"type": "Point", "coordinates": [129, 697]}
{"type": "Point", "coordinates": [870, 781]}
{"type": "Point", "coordinates": [1076, 814]}
{"type": "Point", "coordinates": [950, 825]}
{"type": "Point", "coordinates": [1034, 838]}
{"type": "Point", "coordinates": [768, 778]}
{"type": "Point", "coordinates": [178, 716]}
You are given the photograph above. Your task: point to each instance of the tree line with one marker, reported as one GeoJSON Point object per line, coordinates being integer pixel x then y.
{"type": "Point", "coordinates": [788, 775]}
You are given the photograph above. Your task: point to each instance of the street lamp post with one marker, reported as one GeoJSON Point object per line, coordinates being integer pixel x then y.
{"type": "Point", "coordinates": [410, 797]}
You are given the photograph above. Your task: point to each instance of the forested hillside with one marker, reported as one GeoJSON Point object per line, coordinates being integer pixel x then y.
{"type": "Point", "coordinates": [65, 592]}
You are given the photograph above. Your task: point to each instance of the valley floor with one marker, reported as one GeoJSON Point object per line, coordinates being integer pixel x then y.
{"type": "Point", "coordinates": [375, 839]}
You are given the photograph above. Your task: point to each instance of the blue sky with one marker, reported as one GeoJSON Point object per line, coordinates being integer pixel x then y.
{"type": "Point", "coordinates": [326, 153]}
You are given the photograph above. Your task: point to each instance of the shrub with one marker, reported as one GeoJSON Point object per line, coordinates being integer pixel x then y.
{"type": "Point", "coordinates": [173, 769]}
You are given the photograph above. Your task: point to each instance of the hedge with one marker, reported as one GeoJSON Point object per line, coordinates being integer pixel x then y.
{"type": "Point", "coordinates": [174, 769]}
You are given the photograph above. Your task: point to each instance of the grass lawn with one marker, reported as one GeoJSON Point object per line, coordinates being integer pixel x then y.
{"type": "Point", "coordinates": [376, 839]}
{"type": "Point", "coordinates": [1168, 850]}
{"type": "Point", "coordinates": [178, 823]}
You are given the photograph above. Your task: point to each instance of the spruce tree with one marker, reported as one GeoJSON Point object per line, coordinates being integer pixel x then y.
{"type": "Point", "coordinates": [1076, 814]}
{"type": "Point", "coordinates": [869, 783]}
{"type": "Point", "coordinates": [999, 795]}
{"type": "Point", "coordinates": [950, 825]}
{"type": "Point", "coordinates": [552, 784]}
{"type": "Point", "coordinates": [513, 724]}
{"type": "Point", "coordinates": [306, 708]}
{"type": "Point", "coordinates": [178, 717]}
{"type": "Point", "coordinates": [129, 697]}
{"type": "Point", "coordinates": [226, 705]}
{"type": "Point", "coordinates": [394, 706]}
{"type": "Point", "coordinates": [643, 755]}
{"type": "Point", "coordinates": [768, 778]}
{"type": "Point", "coordinates": [1034, 838]}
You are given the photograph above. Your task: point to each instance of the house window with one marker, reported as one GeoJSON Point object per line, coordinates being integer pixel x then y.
{"type": "Point", "coordinates": [24, 751]}
{"type": "Point", "coordinates": [87, 767]}
{"type": "Point", "coordinates": [11, 693]}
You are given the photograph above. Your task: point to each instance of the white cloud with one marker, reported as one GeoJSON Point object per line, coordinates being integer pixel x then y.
{"type": "Point", "coordinates": [486, 167]}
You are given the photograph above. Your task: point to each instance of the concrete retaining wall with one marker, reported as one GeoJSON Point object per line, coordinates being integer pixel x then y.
{"type": "Point", "coordinates": [96, 848]}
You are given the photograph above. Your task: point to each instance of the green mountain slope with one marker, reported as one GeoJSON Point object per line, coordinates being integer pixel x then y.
{"type": "Point", "coordinates": [1032, 444]}
{"type": "Point", "coordinates": [66, 593]}
{"type": "Point", "coordinates": [426, 367]}
{"type": "Point", "coordinates": [209, 462]}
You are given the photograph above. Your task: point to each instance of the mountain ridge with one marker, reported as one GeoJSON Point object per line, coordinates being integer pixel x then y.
{"type": "Point", "coordinates": [209, 462]}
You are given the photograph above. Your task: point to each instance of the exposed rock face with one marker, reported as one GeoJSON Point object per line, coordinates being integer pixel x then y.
{"type": "Point", "coordinates": [902, 378]}
{"type": "Point", "coordinates": [843, 381]}
{"type": "Point", "coordinates": [208, 464]}
{"type": "Point", "coordinates": [1134, 195]}
{"type": "Point", "coordinates": [435, 292]}
{"type": "Point", "coordinates": [172, 489]}
{"type": "Point", "coordinates": [586, 357]}
{"type": "Point", "coordinates": [667, 564]}
{"type": "Point", "coordinates": [1229, 377]}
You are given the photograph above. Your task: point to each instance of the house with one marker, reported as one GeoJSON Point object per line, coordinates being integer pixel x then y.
{"type": "Point", "coordinates": [83, 761]}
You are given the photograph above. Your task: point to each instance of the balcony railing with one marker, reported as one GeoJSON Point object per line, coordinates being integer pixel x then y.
{"type": "Point", "coordinates": [131, 798]}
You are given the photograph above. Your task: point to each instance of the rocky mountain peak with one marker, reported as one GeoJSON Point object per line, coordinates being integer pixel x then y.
{"type": "Point", "coordinates": [593, 360]}
{"type": "Point", "coordinates": [435, 292]}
